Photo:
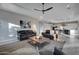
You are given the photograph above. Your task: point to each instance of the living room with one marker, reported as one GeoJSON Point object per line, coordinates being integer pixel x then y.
{"type": "Point", "coordinates": [28, 29]}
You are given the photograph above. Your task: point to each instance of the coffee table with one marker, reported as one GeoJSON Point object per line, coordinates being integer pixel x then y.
{"type": "Point", "coordinates": [38, 43]}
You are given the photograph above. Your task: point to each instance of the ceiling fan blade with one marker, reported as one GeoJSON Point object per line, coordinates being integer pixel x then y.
{"type": "Point", "coordinates": [37, 10]}
{"type": "Point", "coordinates": [48, 9]}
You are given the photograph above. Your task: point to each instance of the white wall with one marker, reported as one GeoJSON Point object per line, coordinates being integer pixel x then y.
{"type": "Point", "coordinates": [40, 26]}
{"type": "Point", "coordinates": [9, 17]}
{"type": "Point", "coordinates": [44, 26]}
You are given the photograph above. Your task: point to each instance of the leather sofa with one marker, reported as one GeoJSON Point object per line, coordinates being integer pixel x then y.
{"type": "Point", "coordinates": [47, 34]}
{"type": "Point", "coordinates": [25, 34]}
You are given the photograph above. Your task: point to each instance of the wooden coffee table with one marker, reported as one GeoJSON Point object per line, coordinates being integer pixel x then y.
{"type": "Point", "coordinates": [38, 43]}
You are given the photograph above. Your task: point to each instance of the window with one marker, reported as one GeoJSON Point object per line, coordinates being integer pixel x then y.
{"type": "Point", "coordinates": [12, 29]}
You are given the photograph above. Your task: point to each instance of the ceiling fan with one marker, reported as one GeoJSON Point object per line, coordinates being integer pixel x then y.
{"type": "Point", "coordinates": [44, 10]}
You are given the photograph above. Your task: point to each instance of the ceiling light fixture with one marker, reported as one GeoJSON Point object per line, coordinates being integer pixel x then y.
{"type": "Point", "coordinates": [44, 10]}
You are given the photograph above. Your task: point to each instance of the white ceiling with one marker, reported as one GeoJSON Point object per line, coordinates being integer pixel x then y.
{"type": "Point", "coordinates": [60, 12]}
